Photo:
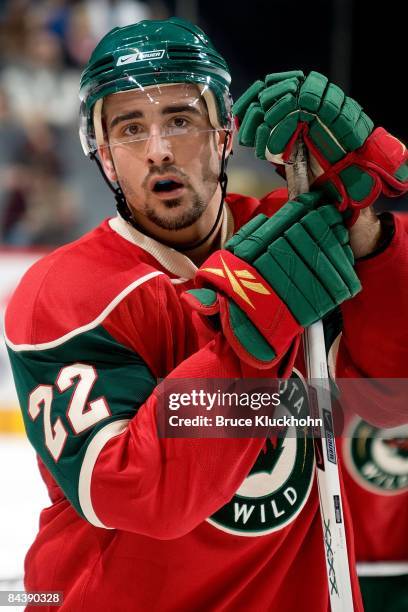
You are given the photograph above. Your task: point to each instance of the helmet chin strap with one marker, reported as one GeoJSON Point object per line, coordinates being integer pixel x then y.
{"type": "Point", "coordinates": [223, 180]}
{"type": "Point", "coordinates": [125, 212]}
{"type": "Point", "coordinates": [121, 204]}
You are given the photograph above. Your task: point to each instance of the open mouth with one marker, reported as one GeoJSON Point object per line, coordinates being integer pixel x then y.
{"type": "Point", "coordinates": [166, 186]}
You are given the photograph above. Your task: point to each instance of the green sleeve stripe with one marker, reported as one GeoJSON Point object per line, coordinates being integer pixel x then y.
{"type": "Point", "coordinates": [89, 384]}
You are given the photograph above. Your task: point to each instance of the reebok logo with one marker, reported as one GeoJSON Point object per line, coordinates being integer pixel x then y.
{"type": "Point", "coordinates": [238, 280]}
{"type": "Point", "coordinates": [140, 56]}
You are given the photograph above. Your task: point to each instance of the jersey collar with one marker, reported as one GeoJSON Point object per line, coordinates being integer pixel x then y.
{"type": "Point", "coordinates": [172, 260]}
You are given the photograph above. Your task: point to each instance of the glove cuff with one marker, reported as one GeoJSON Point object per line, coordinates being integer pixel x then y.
{"type": "Point", "coordinates": [388, 157]}
{"type": "Point", "coordinates": [249, 344]}
{"type": "Point", "coordinates": [383, 159]}
{"type": "Point", "coordinates": [241, 334]}
{"type": "Point", "coordinates": [241, 282]}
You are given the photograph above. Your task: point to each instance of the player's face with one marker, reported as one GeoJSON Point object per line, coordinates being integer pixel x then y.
{"type": "Point", "coordinates": [163, 151]}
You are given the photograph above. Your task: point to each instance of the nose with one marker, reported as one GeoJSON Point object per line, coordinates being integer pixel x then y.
{"type": "Point", "coordinates": [158, 150]}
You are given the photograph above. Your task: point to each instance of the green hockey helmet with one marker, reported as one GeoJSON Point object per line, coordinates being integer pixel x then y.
{"type": "Point", "coordinates": [147, 54]}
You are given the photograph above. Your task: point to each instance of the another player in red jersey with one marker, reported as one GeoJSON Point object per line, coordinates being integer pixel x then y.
{"type": "Point", "coordinates": [187, 282]}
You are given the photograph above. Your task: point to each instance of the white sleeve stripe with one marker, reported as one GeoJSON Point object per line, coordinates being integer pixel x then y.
{"type": "Point", "coordinates": [382, 568]}
{"type": "Point", "coordinates": [88, 326]}
{"type": "Point", "coordinates": [332, 357]}
{"type": "Point", "coordinates": [93, 451]}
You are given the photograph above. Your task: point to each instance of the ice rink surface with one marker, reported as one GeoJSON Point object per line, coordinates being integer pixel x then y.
{"type": "Point", "coordinates": [22, 496]}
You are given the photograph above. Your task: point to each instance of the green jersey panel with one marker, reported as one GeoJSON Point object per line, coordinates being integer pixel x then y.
{"type": "Point", "coordinates": [70, 392]}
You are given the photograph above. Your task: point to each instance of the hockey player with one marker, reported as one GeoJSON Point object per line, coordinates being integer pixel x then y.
{"type": "Point", "coordinates": [187, 282]}
{"type": "Point", "coordinates": [375, 472]}
{"type": "Point", "coordinates": [374, 464]}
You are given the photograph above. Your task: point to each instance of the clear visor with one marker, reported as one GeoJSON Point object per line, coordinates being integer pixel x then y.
{"type": "Point", "coordinates": [173, 116]}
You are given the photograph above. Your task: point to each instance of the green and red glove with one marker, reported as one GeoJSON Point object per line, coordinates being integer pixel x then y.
{"type": "Point", "coordinates": [276, 276]}
{"type": "Point", "coordinates": [349, 159]}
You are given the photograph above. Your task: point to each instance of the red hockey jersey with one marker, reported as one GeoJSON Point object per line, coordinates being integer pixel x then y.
{"type": "Point", "coordinates": [375, 476]}
{"type": "Point", "coordinates": [138, 522]}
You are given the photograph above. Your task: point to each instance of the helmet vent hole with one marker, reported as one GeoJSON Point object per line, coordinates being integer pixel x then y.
{"type": "Point", "coordinates": [102, 65]}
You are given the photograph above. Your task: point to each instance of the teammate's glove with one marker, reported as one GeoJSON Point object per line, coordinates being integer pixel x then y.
{"type": "Point", "coordinates": [276, 276]}
{"type": "Point", "coordinates": [348, 158]}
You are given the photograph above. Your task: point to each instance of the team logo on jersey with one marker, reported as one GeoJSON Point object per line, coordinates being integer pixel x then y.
{"type": "Point", "coordinates": [279, 483]}
{"type": "Point", "coordinates": [140, 56]}
{"type": "Point", "coordinates": [377, 458]}
{"type": "Point", "coordinates": [238, 280]}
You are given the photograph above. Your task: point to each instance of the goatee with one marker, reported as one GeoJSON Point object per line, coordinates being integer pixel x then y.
{"type": "Point", "coordinates": [185, 219]}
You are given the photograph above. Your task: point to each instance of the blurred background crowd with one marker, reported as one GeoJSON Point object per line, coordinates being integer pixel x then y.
{"type": "Point", "coordinates": [47, 189]}
{"type": "Point", "coordinates": [49, 192]}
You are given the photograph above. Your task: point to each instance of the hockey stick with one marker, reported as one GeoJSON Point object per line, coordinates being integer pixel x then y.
{"type": "Point", "coordinates": [331, 510]}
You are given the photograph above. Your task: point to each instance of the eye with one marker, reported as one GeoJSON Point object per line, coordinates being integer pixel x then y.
{"type": "Point", "coordinates": [132, 130]}
{"type": "Point", "coordinates": [179, 122]}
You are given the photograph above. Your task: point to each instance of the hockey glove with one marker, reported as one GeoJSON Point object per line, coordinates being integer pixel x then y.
{"type": "Point", "coordinates": [349, 160]}
{"type": "Point", "coordinates": [276, 276]}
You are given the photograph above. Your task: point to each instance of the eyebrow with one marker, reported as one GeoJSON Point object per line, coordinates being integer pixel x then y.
{"type": "Point", "coordinates": [125, 117]}
{"type": "Point", "coordinates": [167, 110]}
{"type": "Point", "coordinates": [181, 108]}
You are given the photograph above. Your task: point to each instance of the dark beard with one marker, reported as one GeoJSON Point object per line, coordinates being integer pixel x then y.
{"type": "Point", "coordinates": [198, 204]}
{"type": "Point", "coordinates": [186, 219]}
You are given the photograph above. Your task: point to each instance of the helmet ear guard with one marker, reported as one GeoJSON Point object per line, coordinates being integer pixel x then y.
{"type": "Point", "coordinates": [212, 108]}
{"type": "Point", "coordinates": [97, 123]}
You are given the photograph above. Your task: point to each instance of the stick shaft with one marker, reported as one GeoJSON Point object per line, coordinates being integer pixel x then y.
{"type": "Point", "coordinates": [331, 507]}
